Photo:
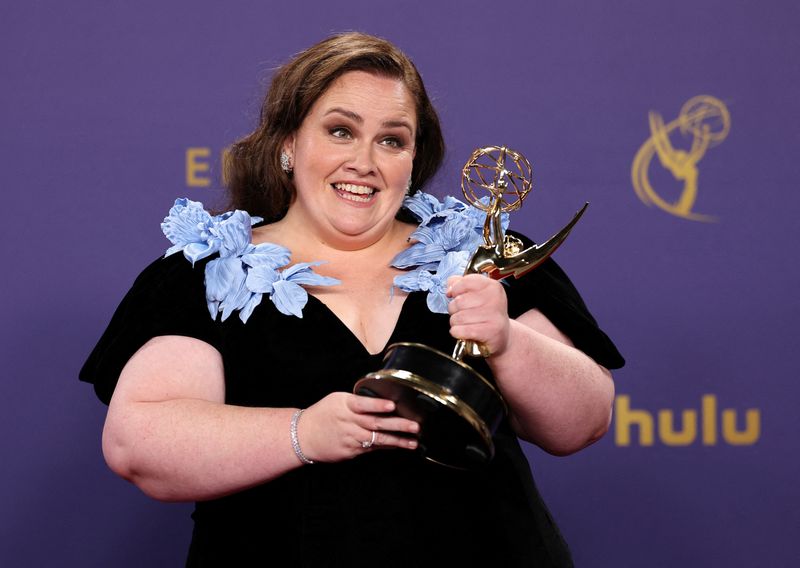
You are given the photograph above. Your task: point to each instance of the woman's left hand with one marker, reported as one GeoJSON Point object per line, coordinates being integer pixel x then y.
{"type": "Point", "coordinates": [479, 311]}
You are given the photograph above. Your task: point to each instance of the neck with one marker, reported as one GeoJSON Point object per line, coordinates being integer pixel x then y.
{"type": "Point", "coordinates": [296, 231]}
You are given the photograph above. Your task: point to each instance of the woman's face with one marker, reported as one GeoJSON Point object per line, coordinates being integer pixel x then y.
{"type": "Point", "coordinates": [352, 159]}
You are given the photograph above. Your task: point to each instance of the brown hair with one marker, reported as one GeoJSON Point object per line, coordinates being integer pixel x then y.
{"type": "Point", "coordinates": [252, 172]}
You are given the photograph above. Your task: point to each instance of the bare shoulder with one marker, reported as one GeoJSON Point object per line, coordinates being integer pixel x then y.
{"type": "Point", "coordinates": [271, 233]}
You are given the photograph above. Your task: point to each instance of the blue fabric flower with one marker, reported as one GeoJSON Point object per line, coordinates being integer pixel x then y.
{"type": "Point", "coordinates": [454, 233]}
{"type": "Point", "coordinates": [427, 208]}
{"type": "Point", "coordinates": [285, 287]}
{"type": "Point", "coordinates": [187, 227]}
{"type": "Point", "coordinates": [191, 229]}
{"type": "Point", "coordinates": [266, 253]}
{"type": "Point", "coordinates": [435, 283]}
{"type": "Point", "coordinates": [233, 233]}
{"type": "Point", "coordinates": [445, 227]}
{"type": "Point", "coordinates": [449, 234]}
{"type": "Point", "coordinates": [237, 280]}
{"type": "Point", "coordinates": [225, 286]}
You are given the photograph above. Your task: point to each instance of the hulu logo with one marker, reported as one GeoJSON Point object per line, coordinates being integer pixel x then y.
{"type": "Point", "coordinates": [672, 434]}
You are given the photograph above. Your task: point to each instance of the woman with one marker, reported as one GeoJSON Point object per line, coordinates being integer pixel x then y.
{"type": "Point", "coordinates": [208, 408]}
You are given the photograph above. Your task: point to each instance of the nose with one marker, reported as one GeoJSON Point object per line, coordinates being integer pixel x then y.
{"type": "Point", "coordinates": [362, 161]}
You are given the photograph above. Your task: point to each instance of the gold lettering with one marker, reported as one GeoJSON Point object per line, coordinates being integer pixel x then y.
{"type": "Point", "coordinates": [685, 434]}
{"type": "Point", "coordinates": [625, 418]}
{"type": "Point", "coordinates": [680, 438]}
{"type": "Point", "coordinates": [196, 166]}
{"type": "Point", "coordinates": [709, 419]}
{"type": "Point", "coordinates": [752, 427]}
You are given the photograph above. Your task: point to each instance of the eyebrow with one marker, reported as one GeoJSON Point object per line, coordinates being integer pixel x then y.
{"type": "Point", "coordinates": [355, 117]}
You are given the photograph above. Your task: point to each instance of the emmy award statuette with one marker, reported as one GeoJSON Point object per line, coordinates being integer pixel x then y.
{"type": "Point", "coordinates": [458, 409]}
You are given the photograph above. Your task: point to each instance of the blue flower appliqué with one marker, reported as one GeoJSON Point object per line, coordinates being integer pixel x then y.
{"type": "Point", "coordinates": [244, 272]}
{"type": "Point", "coordinates": [448, 235]}
{"type": "Point", "coordinates": [435, 282]}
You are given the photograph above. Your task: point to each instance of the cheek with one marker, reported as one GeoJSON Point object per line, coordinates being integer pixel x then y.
{"type": "Point", "coordinates": [314, 163]}
{"type": "Point", "coordinates": [402, 170]}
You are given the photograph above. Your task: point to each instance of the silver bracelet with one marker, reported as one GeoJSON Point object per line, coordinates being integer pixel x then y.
{"type": "Point", "coordinates": [295, 442]}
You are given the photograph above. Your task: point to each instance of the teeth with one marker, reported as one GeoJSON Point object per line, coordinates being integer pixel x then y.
{"type": "Point", "coordinates": [358, 198]}
{"type": "Point", "coordinates": [357, 189]}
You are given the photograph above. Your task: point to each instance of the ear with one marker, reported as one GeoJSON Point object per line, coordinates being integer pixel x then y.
{"type": "Point", "coordinates": [288, 145]}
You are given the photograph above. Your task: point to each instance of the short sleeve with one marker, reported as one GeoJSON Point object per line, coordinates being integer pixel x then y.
{"type": "Point", "coordinates": [548, 289]}
{"type": "Point", "coordinates": [167, 298]}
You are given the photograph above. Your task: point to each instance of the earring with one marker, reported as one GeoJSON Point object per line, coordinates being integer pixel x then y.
{"type": "Point", "coordinates": [286, 163]}
{"type": "Point", "coordinates": [408, 186]}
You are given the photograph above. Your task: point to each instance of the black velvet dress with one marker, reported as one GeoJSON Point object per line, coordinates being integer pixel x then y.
{"type": "Point", "coordinates": [384, 508]}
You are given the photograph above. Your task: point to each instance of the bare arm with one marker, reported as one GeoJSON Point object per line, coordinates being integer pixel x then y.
{"type": "Point", "coordinates": [559, 398]}
{"type": "Point", "coordinates": [170, 433]}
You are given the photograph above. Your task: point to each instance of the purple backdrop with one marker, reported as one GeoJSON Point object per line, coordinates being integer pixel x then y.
{"type": "Point", "coordinates": [102, 100]}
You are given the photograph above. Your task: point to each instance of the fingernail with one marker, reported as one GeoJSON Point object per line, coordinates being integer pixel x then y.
{"type": "Point", "coordinates": [412, 444]}
{"type": "Point", "coordinates": [389, 406]}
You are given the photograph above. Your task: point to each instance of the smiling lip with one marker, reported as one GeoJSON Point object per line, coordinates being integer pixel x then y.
{"type": "Point", "coordinates": [355, 192]}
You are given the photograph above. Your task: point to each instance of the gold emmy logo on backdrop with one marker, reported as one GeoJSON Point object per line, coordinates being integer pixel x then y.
{"type": "Point", "coordinates": [707, 121]}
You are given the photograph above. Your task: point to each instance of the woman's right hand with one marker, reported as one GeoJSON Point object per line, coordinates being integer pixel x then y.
{"type": "Point", "coordinates": [336, 427]}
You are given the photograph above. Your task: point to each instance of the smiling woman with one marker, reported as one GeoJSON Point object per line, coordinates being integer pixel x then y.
{"type": "Point", "coordinates": [253, 417]}
{"type": "Point", "coordinates": [353, 157]}
{"type": "Point", "coordinates": [257, 182]}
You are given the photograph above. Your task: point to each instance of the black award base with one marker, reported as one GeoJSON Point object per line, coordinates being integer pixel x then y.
{"type": "Point", "coordinates": [457, 409]}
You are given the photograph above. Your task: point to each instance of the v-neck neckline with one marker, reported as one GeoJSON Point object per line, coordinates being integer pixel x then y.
{"type": "Point", "coordinates": [349, 332]}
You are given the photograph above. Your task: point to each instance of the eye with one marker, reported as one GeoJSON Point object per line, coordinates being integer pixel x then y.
{"type": "Point", "coordinates": [340, 132]}
{"type": "Point", "coordinates": [393, 142]}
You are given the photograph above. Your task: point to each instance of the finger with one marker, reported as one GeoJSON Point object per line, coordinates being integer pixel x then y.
{"type": "Point", "coordinates": [476, 315]}
{"type": "Point", "coordinates": [468, 318]}
{"type": "Point", "coordinates": [389, 424]}
{"type": "Point", "coordinates": [369, 405]}
{"type": "Point", "coordinates": [384, 422]}
{"type": "Point", "coordinates": [469, 282]}
{"type": "Point", "coordinates": [366, 439]}
{"type": "Point", "coordinates": [385, 440]}
{"type": "Point", "coordinates": [471, 300]}
{"type": "Point", "coordinates": [481, 333]}
{"type": "Point", "coordinates": [451, 281]}
{"type": "Point", "coordinates": [486, 296]}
